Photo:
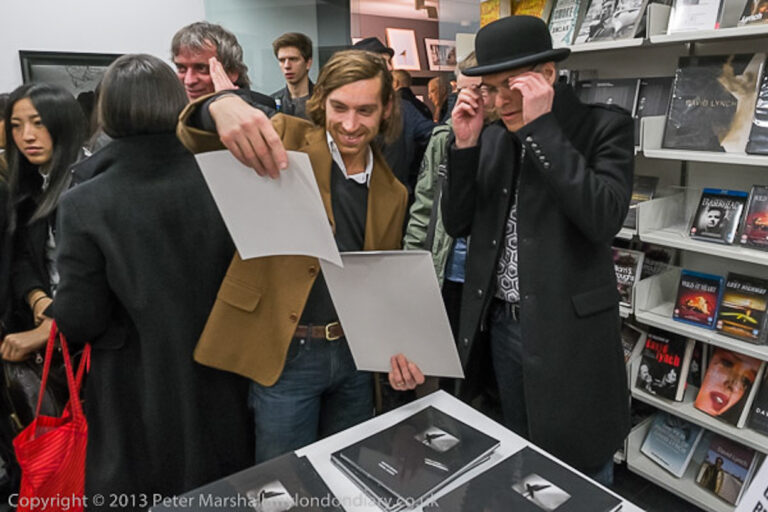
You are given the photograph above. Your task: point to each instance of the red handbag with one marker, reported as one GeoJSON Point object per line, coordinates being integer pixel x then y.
{"type": "Point", "coordinates": [51, 450]}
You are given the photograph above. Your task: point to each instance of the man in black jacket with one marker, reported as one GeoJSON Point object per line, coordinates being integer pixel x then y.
{"type": "Point", "coordinates": [542, 192]}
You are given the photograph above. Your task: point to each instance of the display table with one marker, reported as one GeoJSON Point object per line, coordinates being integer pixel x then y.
{"type": "Point", "coordinates": [353, 499]}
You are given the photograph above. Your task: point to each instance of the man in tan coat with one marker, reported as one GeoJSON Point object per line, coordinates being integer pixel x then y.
{"type": "Point", "coordinates": [274, 320]}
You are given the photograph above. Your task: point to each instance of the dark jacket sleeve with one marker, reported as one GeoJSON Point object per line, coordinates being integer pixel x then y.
{"type": "Point", "coordinates": [593, 194]}
{"type": "Point", "coordinates": [83, 303]}
{"type": "Point", "coordinates": [25, 275]}
{"type": "Point", "coordinates": [458, 201]}
{"type": "Point", "coordinates": [201, 117]}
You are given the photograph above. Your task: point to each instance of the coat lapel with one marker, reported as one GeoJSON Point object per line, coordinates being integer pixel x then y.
{"type": "Point", "coordinates": [383, 202]}
{"type": "Point", "coordinates": [320, 157]}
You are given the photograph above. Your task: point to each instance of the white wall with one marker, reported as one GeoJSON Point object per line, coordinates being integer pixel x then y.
{"type": "Point", "coordinates": [99, 26]}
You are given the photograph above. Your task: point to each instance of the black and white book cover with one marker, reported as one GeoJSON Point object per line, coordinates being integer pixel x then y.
{"type": "Point", "coordinates": [643, 189]}
{"type": "Point", "coordinates": [632, 338]}
{"type": "Point", "coordinates": [527, 481]}
{"type": "Point", "coordinates": [742, 311]}
{"type": "Point", "coordinates": [286, 483]}
{"type": "Point", "coordinates": [658, 258]}
{"type": "Point", "coordinates": [718, 215]}
{"type": "Point", "coordinates": [627, 264]}
{"type": "Point", "coordinates": [758, 135]}
{"type": "Point", "coordinates": [713, 102]}
{"type": "Point", "coordinates": [755, 11]}
{"type": "Point", "coordinates": [621, 92]}
{"type": "Point", "coordinates": [663, 365]}
{"type": "Point", "coordinates": [652, 99]}
{"type": "Point", "coordinates": [417, 456]}
{"type": "Point", "coordinates": [754, 228]}
{"type": "Point", "coordinates": [564, 21]}
{"type": "Point", "coordinates": [607, 20]}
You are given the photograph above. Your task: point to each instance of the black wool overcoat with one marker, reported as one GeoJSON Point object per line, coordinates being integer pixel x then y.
{"type": "Point", "coordinates": [572, 169]}
{"type": "Point", "coordinates": [142, 253]}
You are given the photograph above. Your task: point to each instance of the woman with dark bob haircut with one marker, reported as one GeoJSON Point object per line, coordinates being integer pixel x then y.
{"type": "Point", "coordinates": [44, 133]}
{"type": "Point", "coordinates": [143, 251]}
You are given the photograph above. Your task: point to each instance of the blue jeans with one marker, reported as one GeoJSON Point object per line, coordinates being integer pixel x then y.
{"type": "Point", "coordinates": [319, 393]}
{"type": "Point", "coordinates": [507, 355]}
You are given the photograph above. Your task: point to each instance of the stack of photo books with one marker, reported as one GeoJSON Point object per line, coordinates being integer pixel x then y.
{"type": "Point", "coordinates": [527, 481]}
{"type": "Point", "coordinates": [286, 483]}
{"type": "Point", "coordinates": [405, 464]}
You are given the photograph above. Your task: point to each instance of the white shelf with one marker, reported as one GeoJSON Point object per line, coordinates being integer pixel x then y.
{"type": "Point", "coordinates": [674, 237]}
{"type": "Point", "coordinates": [685, 487]}
{"type": "Point", "coordinates": [687, 411]}
{"type": "Point", "coordinates": [654, 301]}
{"type": "Point", "coordinates": [653, 134]}
{"type": "Point", "coordinates": [606, 45]}
{"type": "Point", "coordinates": [705, 35]}
{"type": "Point", "coordinates": [624, 311]}
{"type": "Point", "coordinates": [664, 221]}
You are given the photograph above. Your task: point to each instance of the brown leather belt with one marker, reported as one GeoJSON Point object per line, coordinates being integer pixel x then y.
{"type": "Point", "coordinates": [329, 332]}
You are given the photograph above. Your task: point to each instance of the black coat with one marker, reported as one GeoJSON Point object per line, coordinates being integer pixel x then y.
{"type": "Point", "coordinates": [29, 262]}
{"type": "Point", "coordinates": [574, 190]}
{"type": "Point", "coordinates": [142, 252]}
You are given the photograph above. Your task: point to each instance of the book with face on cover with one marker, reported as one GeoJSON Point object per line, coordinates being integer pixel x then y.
{"type": "Point", "coordinates": [608, 20]}
{"type": "Point", "coordinates": [742, 311]}
{"type": "Point", "coordinates": [527, 481]}
{"type": "Point", "coordinates": [417, 456]}
{"type": "Point", "coordinates": [713, 102]}
{"type": "Point", "coordinates": [729, 387]}
{"type": "Point", "coordinates": [727, 469]}
{"type": "Point", "coordinates": [718, 215]}
{"type": "Point", "coordinates": [663, 365]}
{"type": "Point", "coordinates": [284, 484]}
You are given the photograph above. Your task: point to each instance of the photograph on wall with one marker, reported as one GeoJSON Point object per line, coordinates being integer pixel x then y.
{"type": "Point", "coordinates": [403, 42]}
{"type": "Point", "coordinates": [441, 54]}
{"type": "Point", "coordinates": [76, 72]}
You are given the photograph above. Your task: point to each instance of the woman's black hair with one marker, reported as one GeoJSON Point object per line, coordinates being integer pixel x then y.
{"type": "Point", "coordinates": [63, 118]}
{"type": "Point", "coordinates": [140, 95]}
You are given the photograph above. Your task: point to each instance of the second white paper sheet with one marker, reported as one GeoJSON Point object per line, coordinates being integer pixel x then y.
{"type": "Point", "coordinates": [389, 302]}
{"type": "Point", "coordinates": [269, 217]}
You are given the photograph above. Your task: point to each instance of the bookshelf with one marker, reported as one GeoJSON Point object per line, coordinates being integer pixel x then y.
{"type": "Point", "coordinates": [665, 221]}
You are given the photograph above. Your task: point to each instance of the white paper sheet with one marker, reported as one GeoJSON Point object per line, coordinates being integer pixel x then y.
{"type": "Point", "coordinates": [389, 302]}
{"type": "Point", "coordinates": [268, 217]}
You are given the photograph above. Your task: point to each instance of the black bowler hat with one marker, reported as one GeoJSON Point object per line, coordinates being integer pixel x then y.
{"type": "Point", "coordinates": [373, 45]}
{"type": "Point", "coordinates": [513, 42]}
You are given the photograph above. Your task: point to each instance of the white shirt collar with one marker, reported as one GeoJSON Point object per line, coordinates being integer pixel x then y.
{"type": "Point", "coordinates": [361, 177]}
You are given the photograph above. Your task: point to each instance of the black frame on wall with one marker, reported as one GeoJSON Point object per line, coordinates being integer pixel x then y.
{"type": "Point", "coordinates": [76, 72]}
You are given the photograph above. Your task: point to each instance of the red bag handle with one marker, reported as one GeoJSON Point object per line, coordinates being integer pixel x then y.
{"type": "Point", "coordinates": [72, 384]}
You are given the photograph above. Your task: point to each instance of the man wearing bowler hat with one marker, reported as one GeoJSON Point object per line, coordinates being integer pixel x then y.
{"type": "Point", "coordinates": [542, 192]}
